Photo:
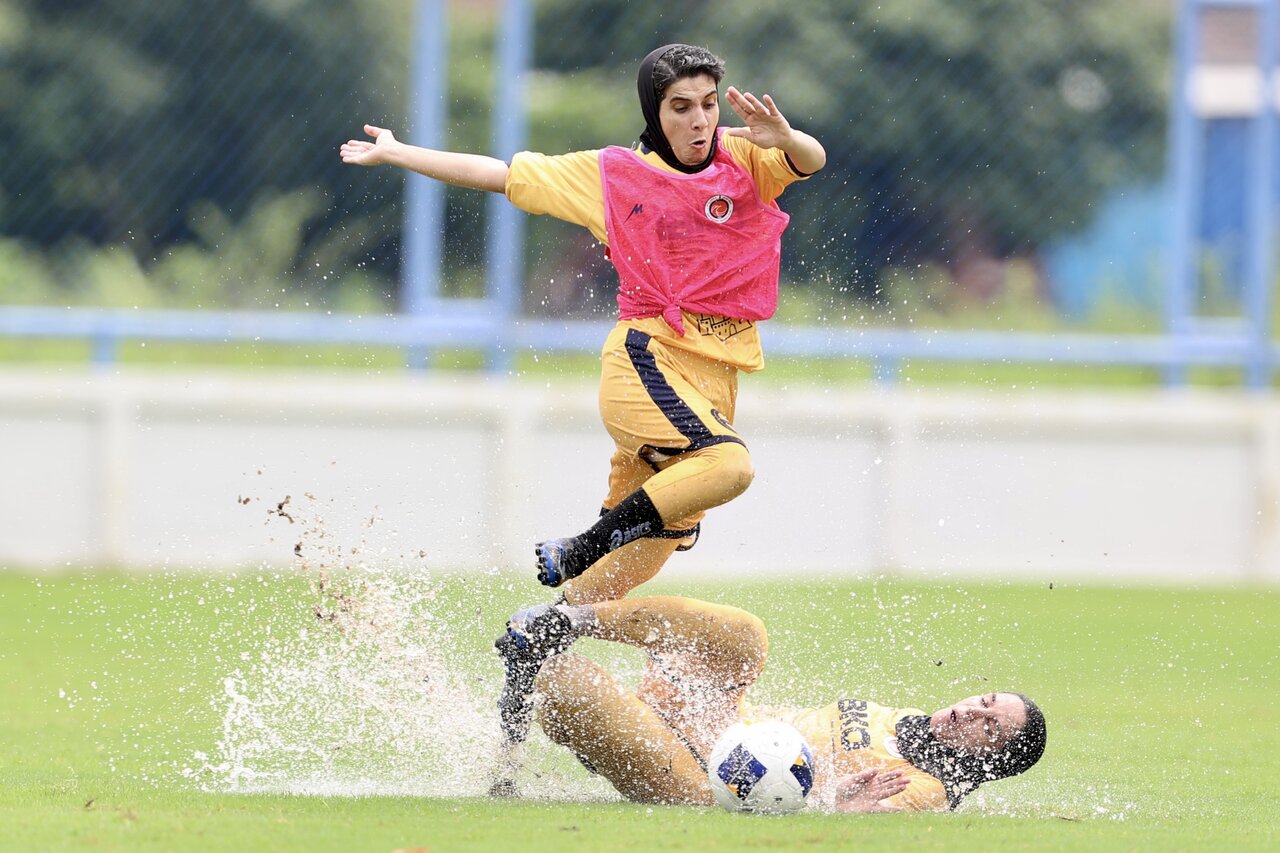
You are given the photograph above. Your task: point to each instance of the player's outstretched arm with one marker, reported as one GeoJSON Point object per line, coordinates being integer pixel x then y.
{"type": "Point", "coordinates": [475, 171]}
{"type": "Point", "coordinates": [767, 127]}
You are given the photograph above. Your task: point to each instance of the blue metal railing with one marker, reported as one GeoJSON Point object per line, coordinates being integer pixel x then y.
{"type": "Point", "coordinates": [466, 324]}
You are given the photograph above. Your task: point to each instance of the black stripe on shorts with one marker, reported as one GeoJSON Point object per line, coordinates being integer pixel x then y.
{"type": "Point", "coordinates": [677, 411]}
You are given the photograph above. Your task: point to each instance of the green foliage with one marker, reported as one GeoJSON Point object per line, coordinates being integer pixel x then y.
{"type": "Point", "coordinates": [178, 155]}
{"type": "Point", "coordinates": [954, 130]}
{"type": "Point", "coordinates": [131, 117]}
{"type": "Point", "coordinates": [983, 128]}
{"type": "Point", "coordinates": [25, 274]}
{"type": "Point", "coordinates": [265, 255]}
{"type": "Point", "coordinates": [926, 297]}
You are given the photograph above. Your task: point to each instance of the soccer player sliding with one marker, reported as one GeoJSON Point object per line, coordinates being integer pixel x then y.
{"type": "Point", "coordinates": [651, 743]}
{"type": "Point", "coordinates": [691, 222]}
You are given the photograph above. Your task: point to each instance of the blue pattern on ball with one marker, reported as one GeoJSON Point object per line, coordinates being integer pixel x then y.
{"type": "Point", "coordinates": [741, 771]}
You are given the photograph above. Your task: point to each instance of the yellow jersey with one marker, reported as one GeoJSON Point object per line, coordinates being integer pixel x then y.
{"type": "Point", "coordinates": [853, 735]}
{"type": "Point", "coordinates": [568, 187]}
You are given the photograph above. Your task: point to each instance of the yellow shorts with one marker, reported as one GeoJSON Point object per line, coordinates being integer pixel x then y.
{"type": "Point", "coordinates": [658, 401]}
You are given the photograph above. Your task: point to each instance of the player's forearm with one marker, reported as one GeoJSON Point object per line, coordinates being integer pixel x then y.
{"type": "Point", "coordinates": [475, 171]}
{"type": "Point", "coordinates": [806, 153]}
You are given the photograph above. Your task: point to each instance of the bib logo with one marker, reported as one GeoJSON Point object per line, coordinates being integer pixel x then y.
{"type": "Point", "coordinates": [719, 208]}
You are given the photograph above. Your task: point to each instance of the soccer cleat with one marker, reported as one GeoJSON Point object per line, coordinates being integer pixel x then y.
{"type": "Point", "coordinates": [532, 636]}
{"type": "Point", "coordinates": [556, 562]}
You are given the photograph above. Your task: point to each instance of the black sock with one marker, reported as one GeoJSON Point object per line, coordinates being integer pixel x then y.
{"type": "Point", "coordinates": [633, 518]}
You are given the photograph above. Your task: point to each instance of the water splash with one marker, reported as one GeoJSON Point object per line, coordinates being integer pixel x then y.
{"type": "Point", "coordinates": [362, 688]}
{"type": "Point", "coordinates": [364, 680]}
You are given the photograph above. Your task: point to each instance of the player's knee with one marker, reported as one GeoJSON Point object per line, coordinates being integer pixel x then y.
{"type": "Point", "coordinates": [740, 649]}
{"type": "Point", "coordinates": [754, 645]}
{"type": "Point", "coordinates": [734, 468]}
{"type": "Point", "coordinates": [756, 635]}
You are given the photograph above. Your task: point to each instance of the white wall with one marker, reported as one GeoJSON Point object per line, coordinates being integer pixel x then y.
{"type": "Point", "coordinates": [146, 469]}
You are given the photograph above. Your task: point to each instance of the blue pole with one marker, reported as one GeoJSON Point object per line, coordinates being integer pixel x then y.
{"type": "Point", "coordinates": [1186, 171]}
{"type": "Point", "coordinates": [504, 250]}
{"type": "Point", "coordinates": [1261, 195]}
{"type": "Point", "coordinates": [105, 347]}
{"type": "Point", "coordinates": [886, 370]}
{"type": "Point", "coordinates": [424, 198]}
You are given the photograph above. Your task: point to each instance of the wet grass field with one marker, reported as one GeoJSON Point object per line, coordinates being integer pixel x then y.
{"type": "Point", "coordinates": [273, 711]}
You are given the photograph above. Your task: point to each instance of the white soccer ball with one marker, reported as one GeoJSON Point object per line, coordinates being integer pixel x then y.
{"type": "Point", "coordinates": [763, 767]}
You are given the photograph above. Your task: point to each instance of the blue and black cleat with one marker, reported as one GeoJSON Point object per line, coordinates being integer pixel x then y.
{"type": "Point", "coordinates": [556, 562]}
{"type": "Point", "coordinates": [532, 636]}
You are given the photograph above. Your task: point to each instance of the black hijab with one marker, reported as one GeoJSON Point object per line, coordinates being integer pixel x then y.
{"type": "Point", "coordinates": [653, 137]}
{"type": "Point", "coordinates": [961, 773]}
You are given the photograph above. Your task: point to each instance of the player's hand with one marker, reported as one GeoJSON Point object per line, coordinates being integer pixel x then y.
{"type": "Point", "coordinates": [361, 152]}
{"type": "Point", "coordinates": [866, 791]}
{"type": "Point", "coordinates": [765, 124]}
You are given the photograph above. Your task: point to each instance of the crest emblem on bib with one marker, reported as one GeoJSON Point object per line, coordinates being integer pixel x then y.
{"type": "Point", "coordinates": [719, 208]}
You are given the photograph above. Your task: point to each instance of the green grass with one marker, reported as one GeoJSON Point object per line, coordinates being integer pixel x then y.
{"type": "Point", "coordinates": [1164, 725]}
{"type": "Point", "coordinates": [780, 370]}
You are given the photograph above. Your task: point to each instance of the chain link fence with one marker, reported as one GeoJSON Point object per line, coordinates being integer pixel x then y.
{"type": "Point", "coordinates": [988, 153]}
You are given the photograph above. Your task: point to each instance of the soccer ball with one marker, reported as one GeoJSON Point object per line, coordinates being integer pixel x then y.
{"type": "Point", "coordinates": [763, 767]}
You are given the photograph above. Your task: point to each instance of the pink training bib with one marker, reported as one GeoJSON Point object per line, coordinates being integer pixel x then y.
{"type": "Point", "coordinates": [703, 243]}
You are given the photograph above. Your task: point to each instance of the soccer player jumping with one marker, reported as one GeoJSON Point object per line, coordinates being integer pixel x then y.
{"type": "Point", "coordinates": [690, 220]}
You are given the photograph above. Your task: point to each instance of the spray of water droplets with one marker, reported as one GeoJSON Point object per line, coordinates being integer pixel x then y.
{"type": "Point", "coordinates": [358, 672]}
{"type": "Point", "coordinates": [363, 687]}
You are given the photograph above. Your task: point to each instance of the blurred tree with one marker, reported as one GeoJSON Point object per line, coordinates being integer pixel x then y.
{"type": "Point", "coordinates": [124, 115]}
{"type": "Point", "coordinates": [956, 132]}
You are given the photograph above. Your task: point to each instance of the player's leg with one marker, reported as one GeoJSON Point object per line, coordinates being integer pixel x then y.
{"type": "Point", "coordinates": [617, 735]}
{"type": "Point", "coordinates": [672, 500]}
{"type": "Point", "coordinates": [620, 571]}
{"type": "Point", "coordinates": [703, 645]}
{"type": "Point", "coordinates": [672, 410]}
{"type": "Point", "coordinates": [617, 573]}
{"type": "Point", "coordinates": [702, 658]}
{"type": "Point", "coordinates": [713, 644]}
{"type": "Point", "coordinates": [612, 577]}
{"type": "Point", "coordinates": [699, 480]}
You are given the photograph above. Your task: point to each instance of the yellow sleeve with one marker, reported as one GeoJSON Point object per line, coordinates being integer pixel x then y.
{"type": "Point", "coordinates": [769, 167]}
{"type": "Point", "coordinates": [566, 186]}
